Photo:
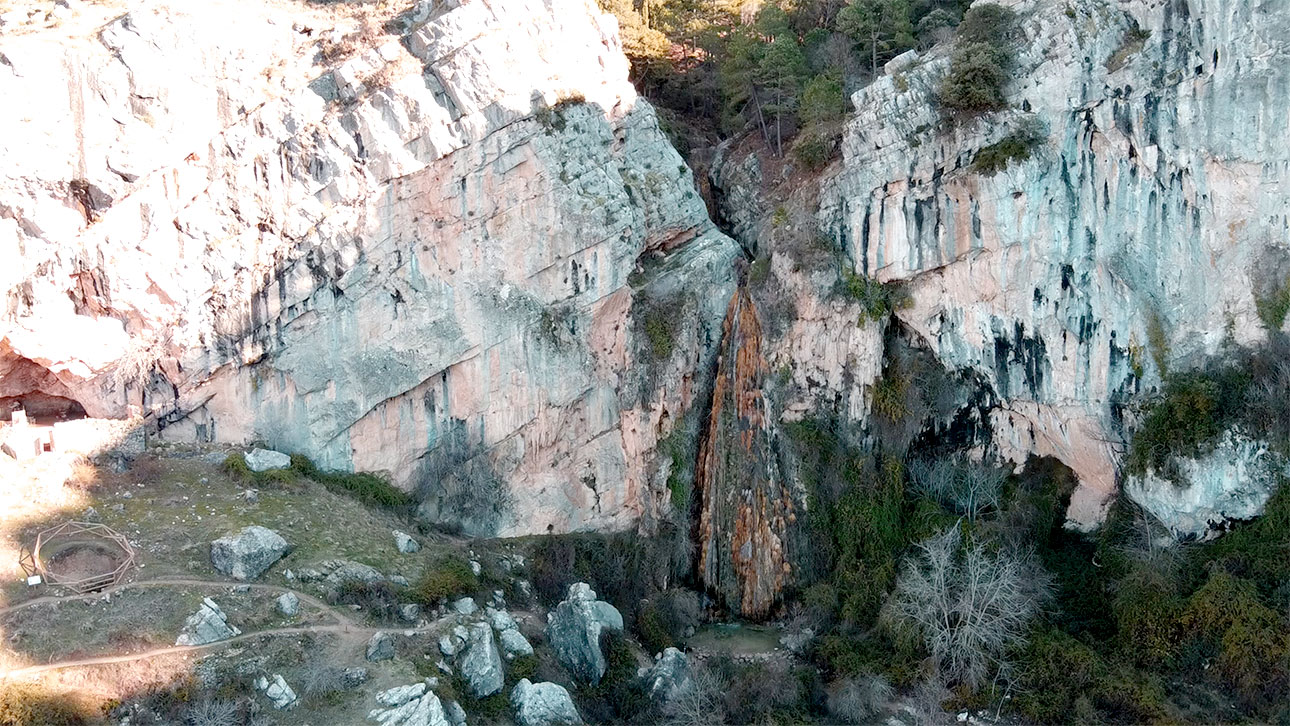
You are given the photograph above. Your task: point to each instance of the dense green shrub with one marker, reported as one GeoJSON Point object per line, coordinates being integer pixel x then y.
{"type": "Point", "coordinates": [379, 599]}
{"type": "Point", "coordinates": [980, 63]}
{"type": "Point", "coordinates": [623, 568]}
{"type": "Point", "coordinates": [1016, 146]}
{"type": "Point", "coordinates": [1062, 680]}
{"type": "Point", "coordinates": [1273, 306]}
{"type": "Point", "coordinates": [619, 696]}
{"type": "Point", "coordinates": [1260, 549]}
{"type": "Point", "coordinates": [449, 577]}
{"type": "Point", "coordinates": [975, 82]}
{"type": "Point", "coordinates": [1251, 640]}
{"type": "Point", "coordinates": [1189, 415]}
{"type": "Point", "coordinates": [367, 488]}
{"type": "Point", "coordinates": [814, 149]}
{"type": "Point", "coordinates": [876, 299]}
{"type": "Point", "coordinates": [1147, 610]}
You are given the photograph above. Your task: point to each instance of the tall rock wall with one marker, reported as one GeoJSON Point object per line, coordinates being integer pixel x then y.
{"type": "Point", "coordinates": [1138, 231]}
{"type": "Point", "coordinates": [410, 242]}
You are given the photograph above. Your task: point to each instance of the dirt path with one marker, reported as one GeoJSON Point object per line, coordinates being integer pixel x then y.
{"type": "Point", "coordinates": [173, 649]}
{"type": "Point", "coordinates": [179, 582]}
{"type": "Point", "coordinates": [349, 630]}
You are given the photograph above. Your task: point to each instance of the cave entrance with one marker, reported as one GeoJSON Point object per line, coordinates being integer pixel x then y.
{"type": "Point", "coordinates": [42, 409]}
{"type": "Point", "coordinates": [32, 402]}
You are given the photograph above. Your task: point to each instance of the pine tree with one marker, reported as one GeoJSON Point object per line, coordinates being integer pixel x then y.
{"type": "Point", "coordinates": [780, 74]}
{"type": "Point", "coordinates": [881, 27]}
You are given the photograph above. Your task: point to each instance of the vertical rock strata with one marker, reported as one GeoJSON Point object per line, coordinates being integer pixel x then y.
{"type": "Point", "coordinates": [1141, 230]}
{"type": "Point", "coordinates": [391, 242]}
{"type": "Point", "coordinates": [745, 506]}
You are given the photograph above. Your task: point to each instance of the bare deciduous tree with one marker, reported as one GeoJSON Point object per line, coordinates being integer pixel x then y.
{"type": "Point", "coordinates": [967, 487]}
{"type": "Point", "coordinates": [968, 605]}
{"type": "Point", "coordinates": [860, 698]}
{"type": "Point", "coordinates": [702, 704]}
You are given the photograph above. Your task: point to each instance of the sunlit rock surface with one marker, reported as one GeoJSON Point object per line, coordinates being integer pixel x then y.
{"type": "Point", "coordinates": [1231, 482]}
{"type": "Point", "coordinates": [393, 243]}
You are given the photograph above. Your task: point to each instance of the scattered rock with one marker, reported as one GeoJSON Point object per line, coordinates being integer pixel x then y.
{"type": "Point", "coordinates": [902, 62]}
{"type": "Point", "coordinates": [353, 677]}
{"type": "Point", "coordinates": [289, 604]}
{"type": "Point", "coordinates": [481, 665]}
{"type": "Point", "coordinates": [574, 629]}
{"type": "Point", "coordinates": [465, 606]}
{"type": "Point", "coordinates": [448, 645]}
{"type": "Point", "coordinates": [380, 647]}
{"type": "Point", "coordinates": [410, 612]}
{"type": "Point", "coordinates": [399, 580]}
{"type": "Point", "coordinates": [456, 714]}
{"type": "Point", "coordinates": [208, 625]}
{"type": "Point", "coordinates": [266, 459]}
{"type": "Point", "coordinates": [669, 677]}
{"type": "Point", "coordinates": [309, 575]}
{"type": "Point", "coordinates": [500, 619]}
{"type": "Point", "coordinates": [514, 644]}
{"type": "Point", "coordinates": [798, 641]}
{"type": "Point", "coordinates": [443, 667]}
{"type": "Point", "coordinates": [499, 599]}
{"type": "Point", "coordinates": [405, 543]}
{"type": "Point", "coordinates": [543, 704]}
{"type": "Point", "coordinates": [343, 571]}
{"type": "Point", "coordinates": [476, 568]}
{"type": "Point", "coordinates": [400, 695]}
{"type": "Point", "coordinates": [409, 706]}
{"type": "Point", "coordinates": [247, 554]}
{"type": "Point", "coordinates": [251, 496]}
{"type": "Point", "coordinates": [277, 691]}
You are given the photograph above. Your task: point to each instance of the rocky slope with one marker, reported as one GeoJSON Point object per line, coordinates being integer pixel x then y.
{"type": "Point", "coordinates": [1137, 235]}
{"type": "Point", "coordinates": [408, 239]}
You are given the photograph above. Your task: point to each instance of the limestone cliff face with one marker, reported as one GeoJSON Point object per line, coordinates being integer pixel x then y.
{"type": "Point", "coordinates": [746, 507]}
{"type": "Point", "coordinates": [1139, 230]}
{"type": "Point", "coordinates": [393, 242]}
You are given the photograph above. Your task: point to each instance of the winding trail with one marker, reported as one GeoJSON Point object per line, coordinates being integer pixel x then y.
{"type": "Point", "coordinates": [345, 624]}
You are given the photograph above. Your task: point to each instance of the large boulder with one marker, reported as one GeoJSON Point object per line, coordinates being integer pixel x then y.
{"type": "Point", "coordinates": [289, 604]}
{"type": "Point", "coordinates": [574, 629]}
{"type": "Point", "coordinates": [266, 459]}
{"type": "Point", "coordinates": [380, 647]}
{"type": "Point", "coordinates": [208, 625]}
{"type": "Point", "coordinates": [669, 677]}
{"type": "Point", "coordinates": [543, 704]}
{"type": "Point", "coordinates": [406, 544]}
{"type": "Point", "coordinates": [1232, 482]}
{"type": "Point", "coordinates": [247, 554]}
{"type": "Point", "coordinates": [341, 572]}
{"type": "Point", "coordinates": [481, 664]}
{"type": "Point", "coordinates": [412, 705]}
{"type": "Point", "coordinates": [514, 643]}
{"type": "Point", "coordinates": [277, 691]}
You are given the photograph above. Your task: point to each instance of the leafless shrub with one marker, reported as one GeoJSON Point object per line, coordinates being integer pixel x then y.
{"type": "Point", "coordinates": [926, 703]}
{"type": "Point", "coordinates": [967, 487]}
{"type": "Point", "coordinates": [969, 605]}
{"type": "Point", "coordinates": [857, 700]}
{"type": "Point", "coordinates": [320, 680]}
{"type": "Point", "coordinates": [703, 704]}
{"type": "Point", "coordinates": [136, 366]}
{"type": "Point", "coordinates": [211, 712]}
{"type": "Point", "coordinates": [459, 485]}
